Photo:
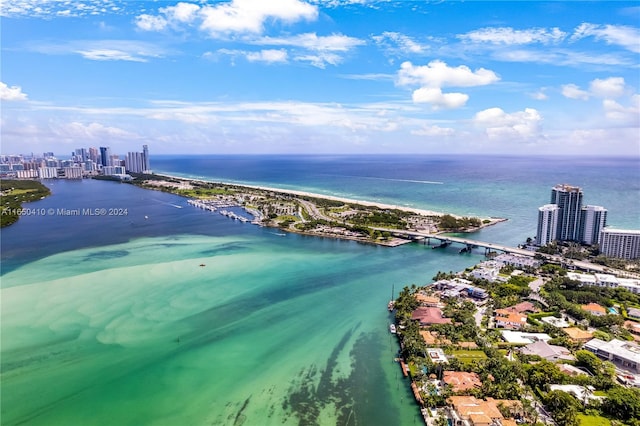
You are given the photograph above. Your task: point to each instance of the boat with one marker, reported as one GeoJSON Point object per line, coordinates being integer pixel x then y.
{"type": "Point", "coordinates": [392, 328]}
{"type": "Point", "coordinates": [391, 305]}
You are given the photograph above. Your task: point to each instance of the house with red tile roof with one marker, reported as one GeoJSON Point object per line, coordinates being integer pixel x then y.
{"type": "Point", "coordinates": [594, 309]}
{"type": "Point", "coordinates": [506, 318]}
{"type": "Point", "coordinates": [461, 381]}
{"type": "Point", "coordinates": [429, 315]}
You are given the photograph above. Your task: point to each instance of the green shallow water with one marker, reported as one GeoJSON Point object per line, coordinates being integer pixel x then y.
{"type": "Point", "coordinates": [273, 330]}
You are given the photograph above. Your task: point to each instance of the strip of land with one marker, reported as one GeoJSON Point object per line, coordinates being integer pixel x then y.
{"type": "Point", "coordinates": [314, 214]}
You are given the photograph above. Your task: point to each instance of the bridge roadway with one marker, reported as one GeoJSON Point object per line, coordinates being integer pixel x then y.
{"type": "Point", "coordinates": [571, 263]}
{"type": "Point", "coordinates": [466, 241]}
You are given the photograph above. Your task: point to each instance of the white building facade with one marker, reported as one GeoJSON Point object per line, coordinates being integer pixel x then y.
{"type": "Point", "coordinates": [620, 243]}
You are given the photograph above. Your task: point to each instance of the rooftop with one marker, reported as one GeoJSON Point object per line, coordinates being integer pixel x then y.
{"type": "Point", "coordinates": [461, 380]}
{"type": "Point", "coordinates": [429, 315]}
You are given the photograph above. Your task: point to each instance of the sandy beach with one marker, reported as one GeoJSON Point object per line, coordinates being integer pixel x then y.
{"type": "Point", "coordinates": [321, 196]}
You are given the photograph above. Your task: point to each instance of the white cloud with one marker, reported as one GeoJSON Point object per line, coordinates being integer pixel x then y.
{"type": "Point", "coordinates": [437, 74]}
{"type": "Point", "coordinates": [318, 50]}
{"type": "Point", "coordinates": [539, 95]}
{"type": "Point", "coordinates": [49, 8]}
{"type": "Point", "coordinates": [439, 100]}
{"type": "Point", "coordinates": [268, 55]}
{"type": "Point", "coordinates": [574, 92]}
{"type": "Point", "coordinates": [104, 50]}
{"type": "Point", "coordinates": [501, 125]}
{"type": "Point", "coordinates": [434, 131]}
{"type": "Point", "coordinates": [628, 115]}
{"type": "Point", "coordinates": [151, 23]}
{"type": "Point", "coordinates": [312, 41]}
{"type": "Point", "coordinates": [13, 93]}
{"type": "Point", "coordinates": [510, 36]}
{"type": "Point", "coordinates": [399, 43]}
{"type": "Point", "coordinates": [612, 87]}
{"type": "Point", "coordinates": [242, 16]}
{"type": "Point", "coordinates": [234, 17]}
{"type": "Point", "coordinates": [181, 12]}
{"type": "Point", "coordinates": [620, 35]}
{"type": "Point", "coordinates": [92, 131]}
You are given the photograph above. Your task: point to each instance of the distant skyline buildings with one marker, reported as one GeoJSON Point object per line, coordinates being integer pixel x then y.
{"type": "Point", "coordinates": [83, 162]}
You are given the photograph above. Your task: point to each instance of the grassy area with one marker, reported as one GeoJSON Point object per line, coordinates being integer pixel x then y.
{"type": "Point", "coordinates": [17, 192]}
{"type": "Point", "coordinates": [585, 420]}
{"type": "Point", "coordinates": [467, 357]}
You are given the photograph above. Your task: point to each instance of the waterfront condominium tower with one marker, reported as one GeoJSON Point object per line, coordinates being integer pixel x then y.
{"type": "Point", "coordinates": [547, 224]}
{"type": "Point", "coordinates": [145, 156]}
{"type": "Point", "coordinates": [593, 219]}
{"type": "Point", "coordinates": [569, 201]}
{"type": "Point", "coordinates": [620, 243]}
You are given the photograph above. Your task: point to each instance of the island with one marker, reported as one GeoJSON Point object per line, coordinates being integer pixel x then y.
{"type": "Point", "coordinates": [312, 214]}
{"type": "Point", "coordinates": [15, 192]}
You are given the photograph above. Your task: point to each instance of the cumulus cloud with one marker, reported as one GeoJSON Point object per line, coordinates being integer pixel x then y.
{"type": "Point", "coordinates": [151, 23]}
{"type": "Point", "coordinates": [620, 35]}
{"type": "Point", "coordinates": [439, 100]}
{"type": "Point", "coordinates": [574, 92]}
{"type": "Point", "coordinates": [437, 74]}
{"type": "Point", "coordinates": [539, 95]}
{"type": "Point", "coordinates": [13, 93]}
{"type": "Point", "coordinates": [499, 124]}
{"type": "Point", "coordinates": [235, 17]}
{"type": "Point", "coordinates": [612, 87]}
{"type": "Point", "coordinates": [510, 36]}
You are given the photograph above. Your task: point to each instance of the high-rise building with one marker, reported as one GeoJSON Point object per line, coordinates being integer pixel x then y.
{"type": "Point", "coordinates": [138, 162]}
{"type": "Point", "coordinates": [620, 243]}
{"type": "Point", "coordinates": [94, 155]}
{"type": "Point", "coordinates": [593, 219]}
{"type": "Point", "coordinates": [105, 156]}
{"type": "Point", "coordinates": [547, 224]}
{"type": "Point", "coordinates": [147, 162]}
{"type": "Point", "coordinates": [569, 201]}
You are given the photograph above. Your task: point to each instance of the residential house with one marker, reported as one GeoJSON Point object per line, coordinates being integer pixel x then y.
{"type": "Point", "coordinates": [470, 411]}
{"type": "Point", "coordinates": [462, 381]}
{"type": "Point", "coordinates": [625, 355]}
{"type": "Point", "coordinates": [547, 351]}
{"type": "Point", "coordinates": [577, 334]}
{"type": "Point", "coordinates": [633, 313]}
{"type": "Point", "coordinates": [428, 316]}
{"type": "Point", "coordinates": [594, 309]}
{"type": "Point", "coordinates": [430, 301]}
{"type": "Point", "coordinates": [506, 318]}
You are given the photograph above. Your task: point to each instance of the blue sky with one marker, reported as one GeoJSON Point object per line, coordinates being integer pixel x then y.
{"type": "Point", "coordinates": [334, 76]}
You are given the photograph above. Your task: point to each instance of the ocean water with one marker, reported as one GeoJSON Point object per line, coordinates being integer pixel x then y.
{"type": "Point", "coordinates": [112, 320]}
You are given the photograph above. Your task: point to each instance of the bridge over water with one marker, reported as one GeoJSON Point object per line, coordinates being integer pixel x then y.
{"type": "Point", "coordinates": [469, 243]}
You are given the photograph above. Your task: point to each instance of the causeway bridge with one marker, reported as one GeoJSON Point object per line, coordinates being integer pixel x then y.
{"type": "Point", "coordinates": [470, 244]}
{"type": "Point", "coordinates": [488, 247]}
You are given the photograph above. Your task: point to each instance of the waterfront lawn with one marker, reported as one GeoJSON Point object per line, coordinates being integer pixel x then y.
{"type": "Point", "coordinates": [468, 356]}
{"type": "Point", "coordinates": [585, 420]}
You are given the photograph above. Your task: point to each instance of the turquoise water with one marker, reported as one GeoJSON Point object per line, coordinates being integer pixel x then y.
{"type": "Point", "coordinates": [112, 320]}
{"type": "Point", "coordinates": [272, 330]}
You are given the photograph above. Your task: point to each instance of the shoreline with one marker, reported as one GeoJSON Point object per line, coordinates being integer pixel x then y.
{"type": "Point", "coordinates": [345, 200]}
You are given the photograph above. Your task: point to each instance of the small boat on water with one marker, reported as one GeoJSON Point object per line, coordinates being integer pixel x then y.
{"type": "Point", "coordinates": [392, 328]}
{"type": "Point", "coordinates": [391, 305]}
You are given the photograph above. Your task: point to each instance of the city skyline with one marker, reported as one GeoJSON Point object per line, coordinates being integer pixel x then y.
{"type": "Point", "coordinates": [313, 77]}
